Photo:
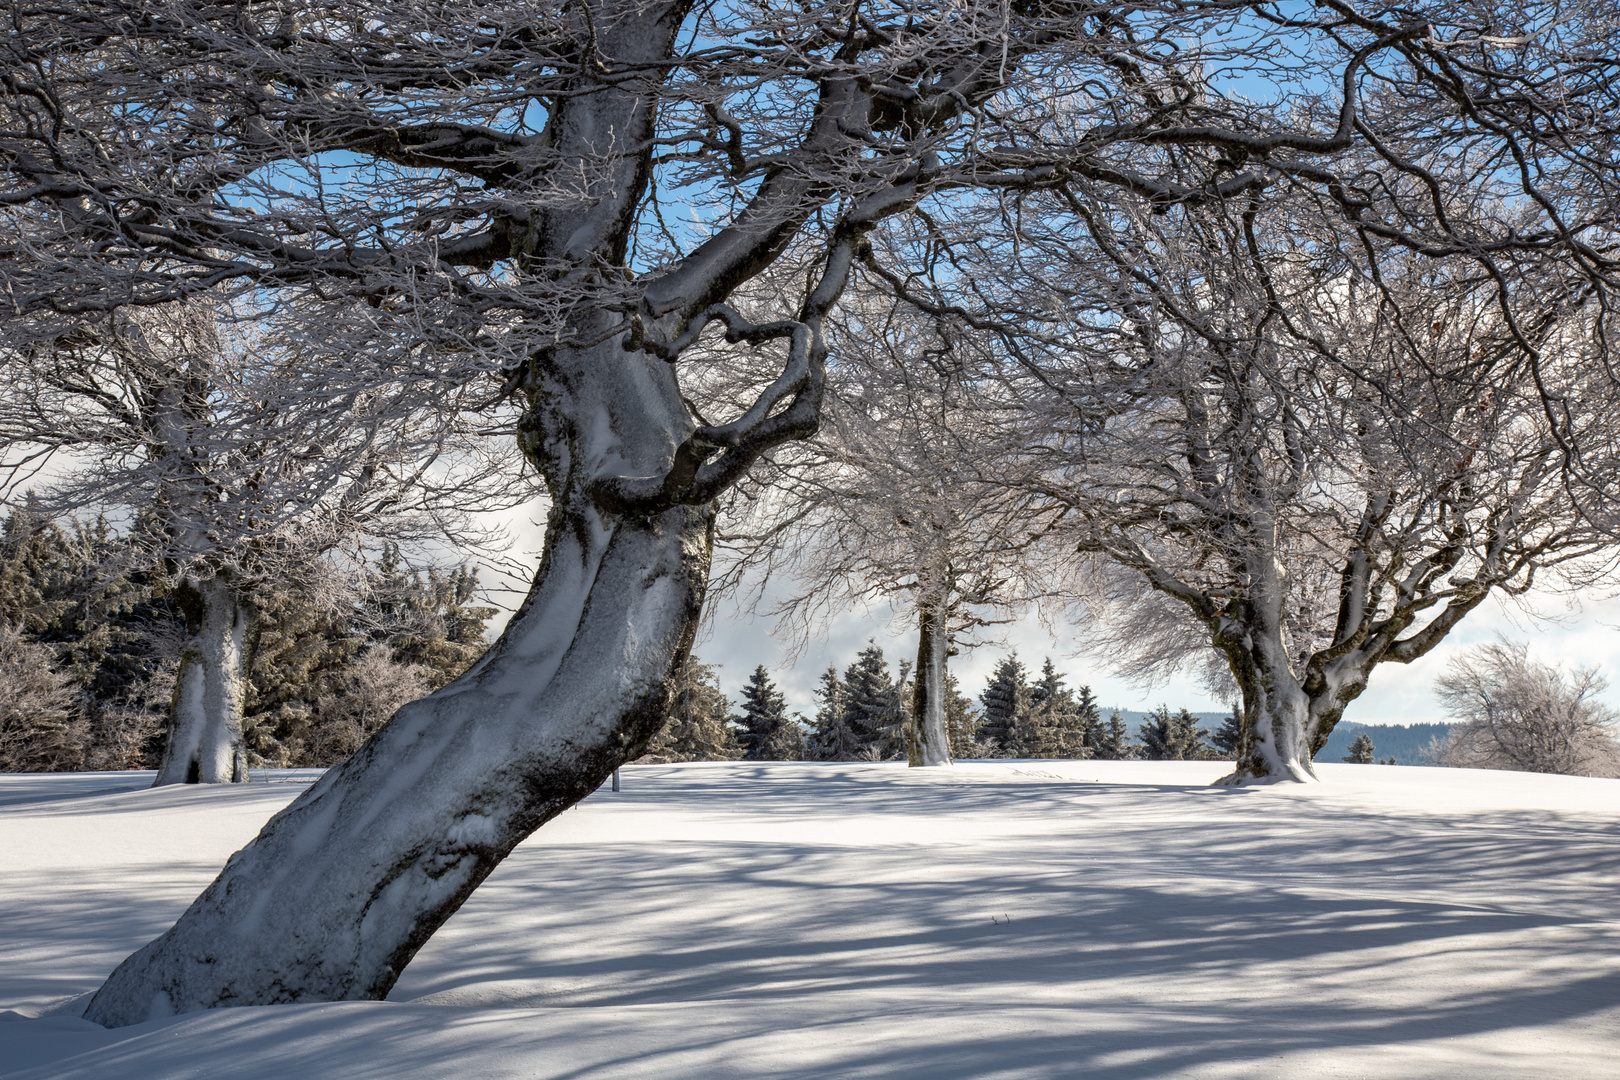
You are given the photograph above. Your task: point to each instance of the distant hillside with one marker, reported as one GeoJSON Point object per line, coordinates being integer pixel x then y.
{"type": "Point", "coordinates": [1404, 742]}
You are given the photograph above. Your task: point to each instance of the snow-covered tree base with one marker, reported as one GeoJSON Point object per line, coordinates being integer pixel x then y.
{"type": "Point", "coordinates": [1292, 772]}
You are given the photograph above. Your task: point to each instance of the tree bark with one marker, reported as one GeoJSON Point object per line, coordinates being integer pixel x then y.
{"type": "Point", "coordinates": [340, 890]}
{"type": "Point", "coordinates": [205, 729]}
{"type": "Point", "coordinates": [1286, 721]}
{"type": "Point", "coordinates": [929, 742]}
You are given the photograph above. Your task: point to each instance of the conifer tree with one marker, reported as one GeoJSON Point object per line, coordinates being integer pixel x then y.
{"type": "Point", "coordinates": [65, 588]}
{"type": "Point", "coordinates": [873, 706]}
{"type": "Point", "coordinates": [1088, 725]}
{"type": "Point", "coordinates": [429, 618]}
{"type": "Point", "coordinates": [961, 719]}
{"type": "Point", "coordinates": [313, 661]}
{"type": "Point", "coordinates": [1111, 742]}
{"type": "Point", "coordinates": [1055, 723]}
{"type": "Point", "coordinates": [832, 739]}
{"type": "Point", "coordinates": [767, 732]}
{"type": "Point", "coordinates": [1228, 738]}
{"type": "Point", "coordinates": [1361, 750]}
{"type": "Point", "coordinates": [40, 731]}
{"type": "Point", "coordinates": [1004, 697]}
{"type": "Point", "coordinates": [697, 728]}
{"type": "Point", "coordinates": [1168, 736]}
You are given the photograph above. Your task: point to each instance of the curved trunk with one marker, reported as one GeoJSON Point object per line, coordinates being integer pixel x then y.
{"type": "Point", "coordinates": [205, 729]}
{"type": "Point", "coordinates": [928, 742]}
{"type": "Point", "coordinates": [340, 890]}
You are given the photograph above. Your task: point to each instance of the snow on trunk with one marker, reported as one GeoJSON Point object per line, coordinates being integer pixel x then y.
{"type": "Point", "coordinates": [928, 742]}
{"type": "Point", "coordinates": [340, 890]}
{"type": "Point", "coordinates": [1276, 745]}
{"type": "Point", "coordinates": [205, 729]}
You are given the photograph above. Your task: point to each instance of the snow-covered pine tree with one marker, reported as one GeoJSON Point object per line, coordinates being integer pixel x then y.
{"type": "Point", "coordinates": [40, 730]}
{"type": "Point", "coordinates": [1004, 697]}
{"type": "Point", "coordinates": [1088, 725]}
{"type": "Point", "coordinates": [1168, 736]}
{"type": "Point", "coordinates": [1055, 723]}
{"type": "Point", "coordinates": [961, 719]}
{"type": "Point", "coordinates": [303, 646]}
{"type": "Point", "coordinates": [766, 731]}
{"type": "Point", "coordinates": [1229, 736]}
{"type": "Point", "coordinates": [64, 585]}
{"type": "Point", "coordinates": [429, 618]}
{"type": "Point", "coordinates": [1361, 750]}
{"type": "Point", "coordinates": [1112, 741]}
{"type": "Point", "coordinates": [873, 711]}
{"type": "Point", "coordinates": [831, 738]}
{"type": "Point", "coordinates": [697, 727]}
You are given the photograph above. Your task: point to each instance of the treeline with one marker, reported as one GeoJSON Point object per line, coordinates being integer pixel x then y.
{"type": "Point", "coordinates": [865, 714]}
{"type": "Point", "coordinates": [90, 640]}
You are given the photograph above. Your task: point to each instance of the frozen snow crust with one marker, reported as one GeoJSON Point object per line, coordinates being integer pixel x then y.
{"type": "Point", "coordinates": [998, 919]}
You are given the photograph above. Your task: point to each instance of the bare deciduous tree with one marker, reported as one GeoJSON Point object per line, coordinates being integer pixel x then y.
{"type": "Point", "coordinates": [898, 498]}
{"type": "Point", "coordinates": [179, 417]}
{"type": "Point", "coordinates": [443, 194]}
{"type": "Point", "coordinates": [1516, 713]}
{"type": "Point", "coordinates": [1317, 468]}
{"type": "Point", "coordinates": [359, 699]}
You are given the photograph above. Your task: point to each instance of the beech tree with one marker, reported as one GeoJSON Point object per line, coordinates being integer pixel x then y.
{"type": "Point", "coordinates": [179, 419]}
{"type": "Point", "coordinates": [1516, 713]}
{"type": "Point", "coordinates": [896, 499]}
{"type": "Point", "coordinates": [1314, 470]}
{"type": "Point", "coordinates": [463, 194]}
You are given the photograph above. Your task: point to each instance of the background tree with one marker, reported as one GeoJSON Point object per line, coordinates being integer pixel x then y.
{"type": "Point", "coordinates": [1228, 738]}
{"type": "Point", "coordinates": [39, 730]}
{"type": "Point", "coordinates": [1291, 474]}
{"type": "Point", "coordinates": [961, 721]}
{"type": "Point", "coordinates": [1361, 750]}
{"type": "Point", "coordinates": [111, 633]}
{"type": "Point", "coordinates": [1004, 697]}
{"type": "Point", "coordinates": [831, 737]}
{"type": "Point", "coordinates": [499, 220]}
{"type": "Point", "coordinates": [1113, 740]}
{"type": "Point", "coordinates": [767, 732]}
{"type": "Point", "coordinates": [698, 727]}
{"type": "Point", "coordinates": [176, 416]}
{"type": "Point", "coordinates": [896, 498]}
{"type": "Point", "coordinates": [1517, 713]}
{"type": "Point", "coordinates": [874, 706]}
{"type": "Point", "coordinates": [1176, 736]}
{"type": "Point", "coordinates": [1056, 723]}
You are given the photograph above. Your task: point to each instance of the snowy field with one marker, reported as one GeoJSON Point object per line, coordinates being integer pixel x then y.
{"type": "Point", "coordinates": [1006, 919]}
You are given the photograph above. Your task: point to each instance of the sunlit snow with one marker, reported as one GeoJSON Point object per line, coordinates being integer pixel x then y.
{"type": "Point", "coordinates": [1005, 919]}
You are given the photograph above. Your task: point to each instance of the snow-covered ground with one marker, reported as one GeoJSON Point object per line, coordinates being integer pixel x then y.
{"type": "Point", "coordinates": [997, 919]}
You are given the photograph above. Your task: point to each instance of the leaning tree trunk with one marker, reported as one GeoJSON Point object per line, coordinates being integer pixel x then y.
{"type": "Point", "coordinates": [929, 742]}
{"type": "Point", "coordinates": [205, 729]}
{"type": "Point", "coordinates": [340, 890]}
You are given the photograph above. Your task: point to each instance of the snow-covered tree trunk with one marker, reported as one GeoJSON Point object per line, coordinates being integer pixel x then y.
{"type": "Point", "coordinates": [929, 742]}
{"type": "Point", "coordinates": [205, 730]}
{"type": "Point", "coordinates": [338, 892]}
{"type": "Point", "coordinates": [1276, 743]}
